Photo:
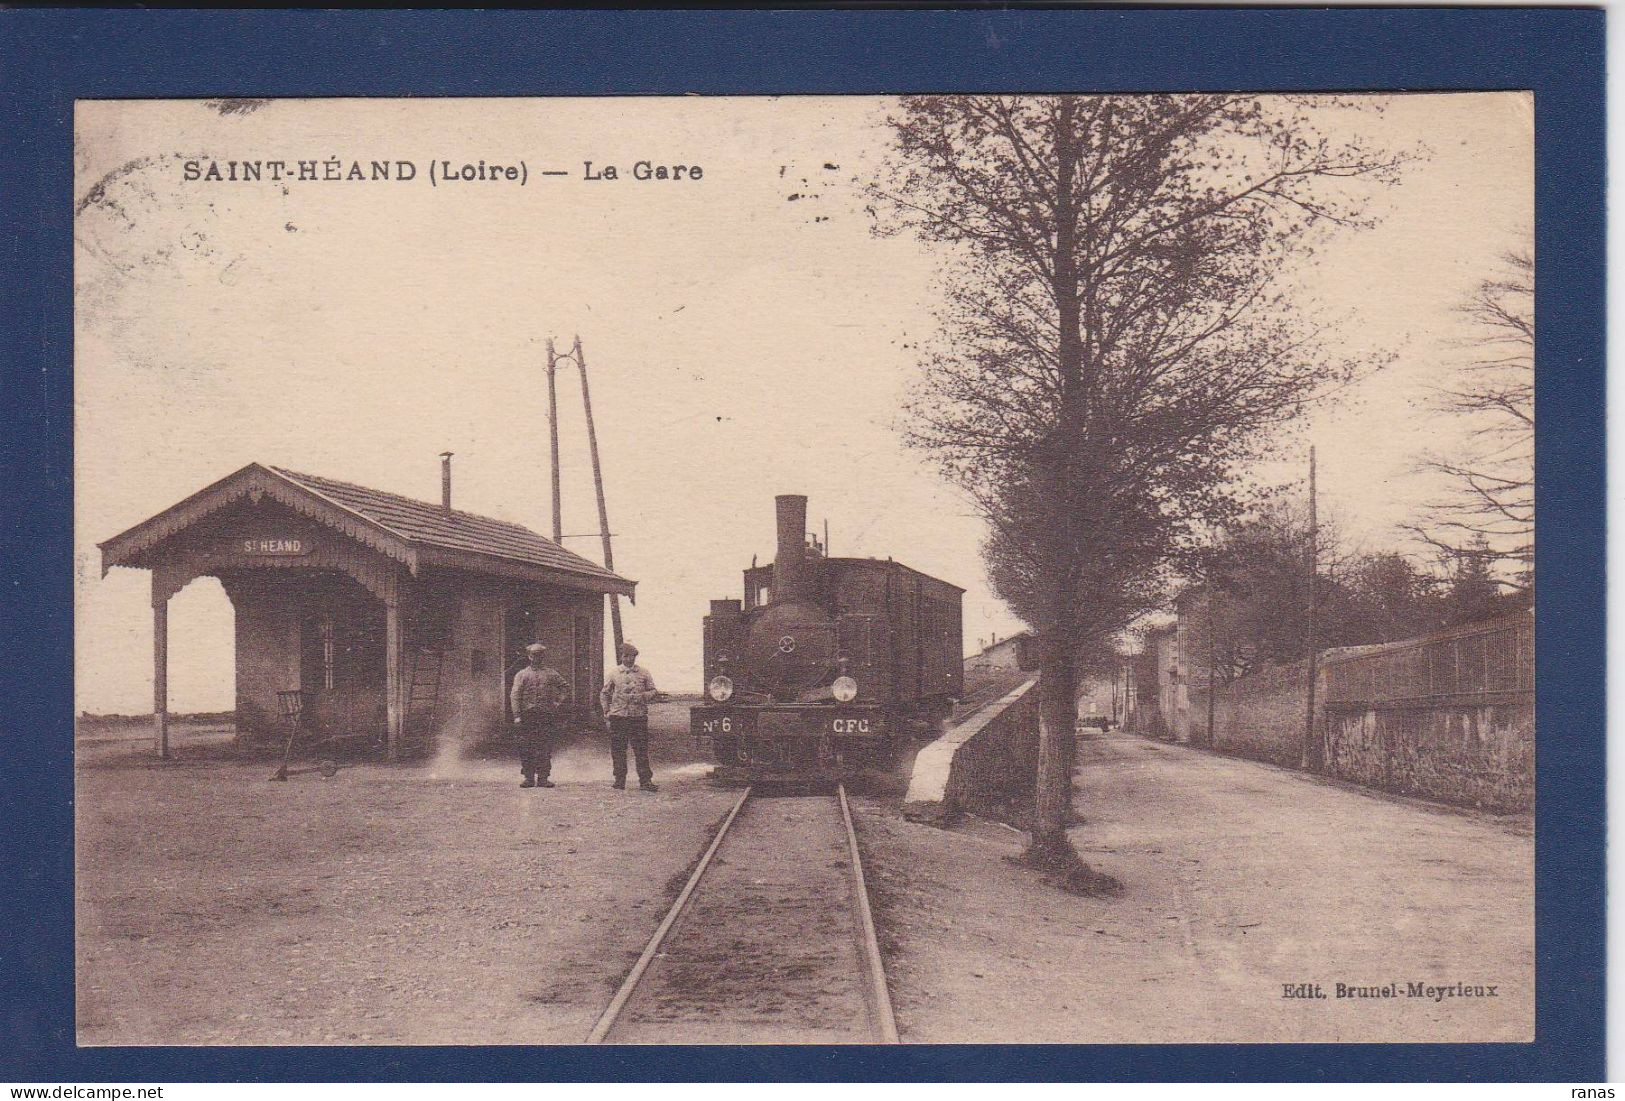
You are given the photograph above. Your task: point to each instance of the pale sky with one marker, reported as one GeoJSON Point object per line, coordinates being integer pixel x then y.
{"type": "Point", "coordinates": [740, 342]}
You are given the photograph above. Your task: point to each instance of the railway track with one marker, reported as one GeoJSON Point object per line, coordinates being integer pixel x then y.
{"type": "Point", "coordinates": [770, 941]}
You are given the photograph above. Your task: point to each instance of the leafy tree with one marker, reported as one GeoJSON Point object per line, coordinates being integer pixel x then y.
{"type": "Point", "coordinates": [1257, 568]}
{"type": "Point", "coordinates": [1115, 337]}
{"type": "Point", "coordinates": [1474, 592]}
{"type": "Point", "coordinates": [1390, 598]}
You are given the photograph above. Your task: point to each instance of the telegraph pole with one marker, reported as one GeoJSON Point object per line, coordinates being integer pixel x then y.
{"type": "Point", "coordinates": [553, 432]}
{"type": "Point", "coordinates": [1311, 748]}
{"type": "Point", "coordinates": [598, 485]}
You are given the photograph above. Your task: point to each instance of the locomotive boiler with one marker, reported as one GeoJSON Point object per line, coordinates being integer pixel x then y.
{"type": "Point", "coordinates": [827, 665]}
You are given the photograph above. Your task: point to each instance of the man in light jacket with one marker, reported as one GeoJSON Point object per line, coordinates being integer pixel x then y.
{"type": "Point", "coordinates": [625, 700]}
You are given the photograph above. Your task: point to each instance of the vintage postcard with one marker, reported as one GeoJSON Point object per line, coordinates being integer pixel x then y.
{"type": "Point", "coordinates": [803, 570]}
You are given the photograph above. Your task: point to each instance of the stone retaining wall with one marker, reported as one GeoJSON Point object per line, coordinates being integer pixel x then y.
{"type": "Point", "coordinates": [1261, 716]}
{"type": "Point", "coordinates": [995, 771]}
{"type": "Point", "coordinates": [1478, 755]}
{"type": "Point", "coordinates": [987, 764]}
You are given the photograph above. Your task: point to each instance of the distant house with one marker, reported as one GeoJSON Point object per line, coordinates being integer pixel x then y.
{"type": "Point", "coordinates": [1016, 653]}
{"type": "Point", "coordinates": [1100, 693]}
{"type": "Point", "coordinates": [1161, 702]}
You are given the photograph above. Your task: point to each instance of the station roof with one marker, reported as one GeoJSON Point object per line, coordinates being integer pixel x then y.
{"type": "Point", "coordinates": [414, 532]}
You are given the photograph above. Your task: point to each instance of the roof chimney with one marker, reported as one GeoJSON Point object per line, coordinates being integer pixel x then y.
{"type": "Point", "coordinates": [445, 480]}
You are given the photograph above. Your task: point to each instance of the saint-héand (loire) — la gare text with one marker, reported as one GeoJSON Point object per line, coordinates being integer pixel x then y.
{"type": "Point", "coordinates": [437, 170]}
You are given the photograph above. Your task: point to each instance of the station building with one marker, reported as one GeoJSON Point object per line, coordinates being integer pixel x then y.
{"type": "Point", "coordinates": [392, 617]}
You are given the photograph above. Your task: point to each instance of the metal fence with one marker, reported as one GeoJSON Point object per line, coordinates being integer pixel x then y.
{"type": "Point", "coordinates": [1493, 658]}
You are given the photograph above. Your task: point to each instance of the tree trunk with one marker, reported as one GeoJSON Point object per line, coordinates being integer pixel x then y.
{"type": "Point", "coordinates": [1057, 684]}
{"type": "Point", "coordinates": [1057, 734]}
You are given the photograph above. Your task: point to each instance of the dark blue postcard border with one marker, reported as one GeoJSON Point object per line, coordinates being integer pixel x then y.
{"type": "Point", "coordinates": [50, 57]}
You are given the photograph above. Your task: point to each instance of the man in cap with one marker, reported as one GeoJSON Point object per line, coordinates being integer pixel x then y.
{"type": "Point", "coordinates": [624, 700]}
{"type": "Point", "coordinates": [536, 698]}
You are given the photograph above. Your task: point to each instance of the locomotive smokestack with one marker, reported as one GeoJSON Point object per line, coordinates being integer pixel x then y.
{"type": "Point", "coordinates": [790, 581]}
{"type": "Point", "coordinates": [445, 480]}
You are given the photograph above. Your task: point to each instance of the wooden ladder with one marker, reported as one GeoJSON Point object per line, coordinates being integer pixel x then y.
{"type": "Point", "coordinates": [423, 693]}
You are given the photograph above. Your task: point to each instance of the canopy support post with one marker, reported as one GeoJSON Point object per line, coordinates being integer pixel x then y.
{"type": "Point", "coordinates": [160, 668]}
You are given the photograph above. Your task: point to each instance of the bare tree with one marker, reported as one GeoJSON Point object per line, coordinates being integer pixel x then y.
{"type": "Point", "coordinates": [1488, 515]}
{"type": "Point", "coordinates": [1114, 338]}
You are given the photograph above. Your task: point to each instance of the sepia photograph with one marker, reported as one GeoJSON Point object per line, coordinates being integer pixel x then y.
{"type": "Point", "coordinates": [922, 569]}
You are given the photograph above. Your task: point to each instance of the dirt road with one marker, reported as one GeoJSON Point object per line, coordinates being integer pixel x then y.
{"type": "Point", "coordinates": [433, 903]}
{"type": "Point", "coordinates": [1241, 879]}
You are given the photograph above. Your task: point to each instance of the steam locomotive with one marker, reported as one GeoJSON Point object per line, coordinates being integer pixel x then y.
{"type": "Point", "coordinates": [828, 664]}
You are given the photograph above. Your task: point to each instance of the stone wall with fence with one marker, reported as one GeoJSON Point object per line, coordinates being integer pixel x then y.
{"type": "Point", "coordinates": [1449, 716]}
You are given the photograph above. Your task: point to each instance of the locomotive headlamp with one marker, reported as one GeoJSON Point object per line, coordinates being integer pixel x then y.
{"type": "Point", "coordinates": [844, 689]}
{"type": "Point", "coordinates": [722, 689]}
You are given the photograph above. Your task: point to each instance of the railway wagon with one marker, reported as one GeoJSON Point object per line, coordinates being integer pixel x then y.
{"type": "Point", "coordinates": [827, 664]}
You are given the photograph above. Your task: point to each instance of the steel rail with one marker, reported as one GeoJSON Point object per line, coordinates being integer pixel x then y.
{"type": "Point", "coordinates": [607, 1020]}
{"type": "Point", "coordinates": [879, 993]}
